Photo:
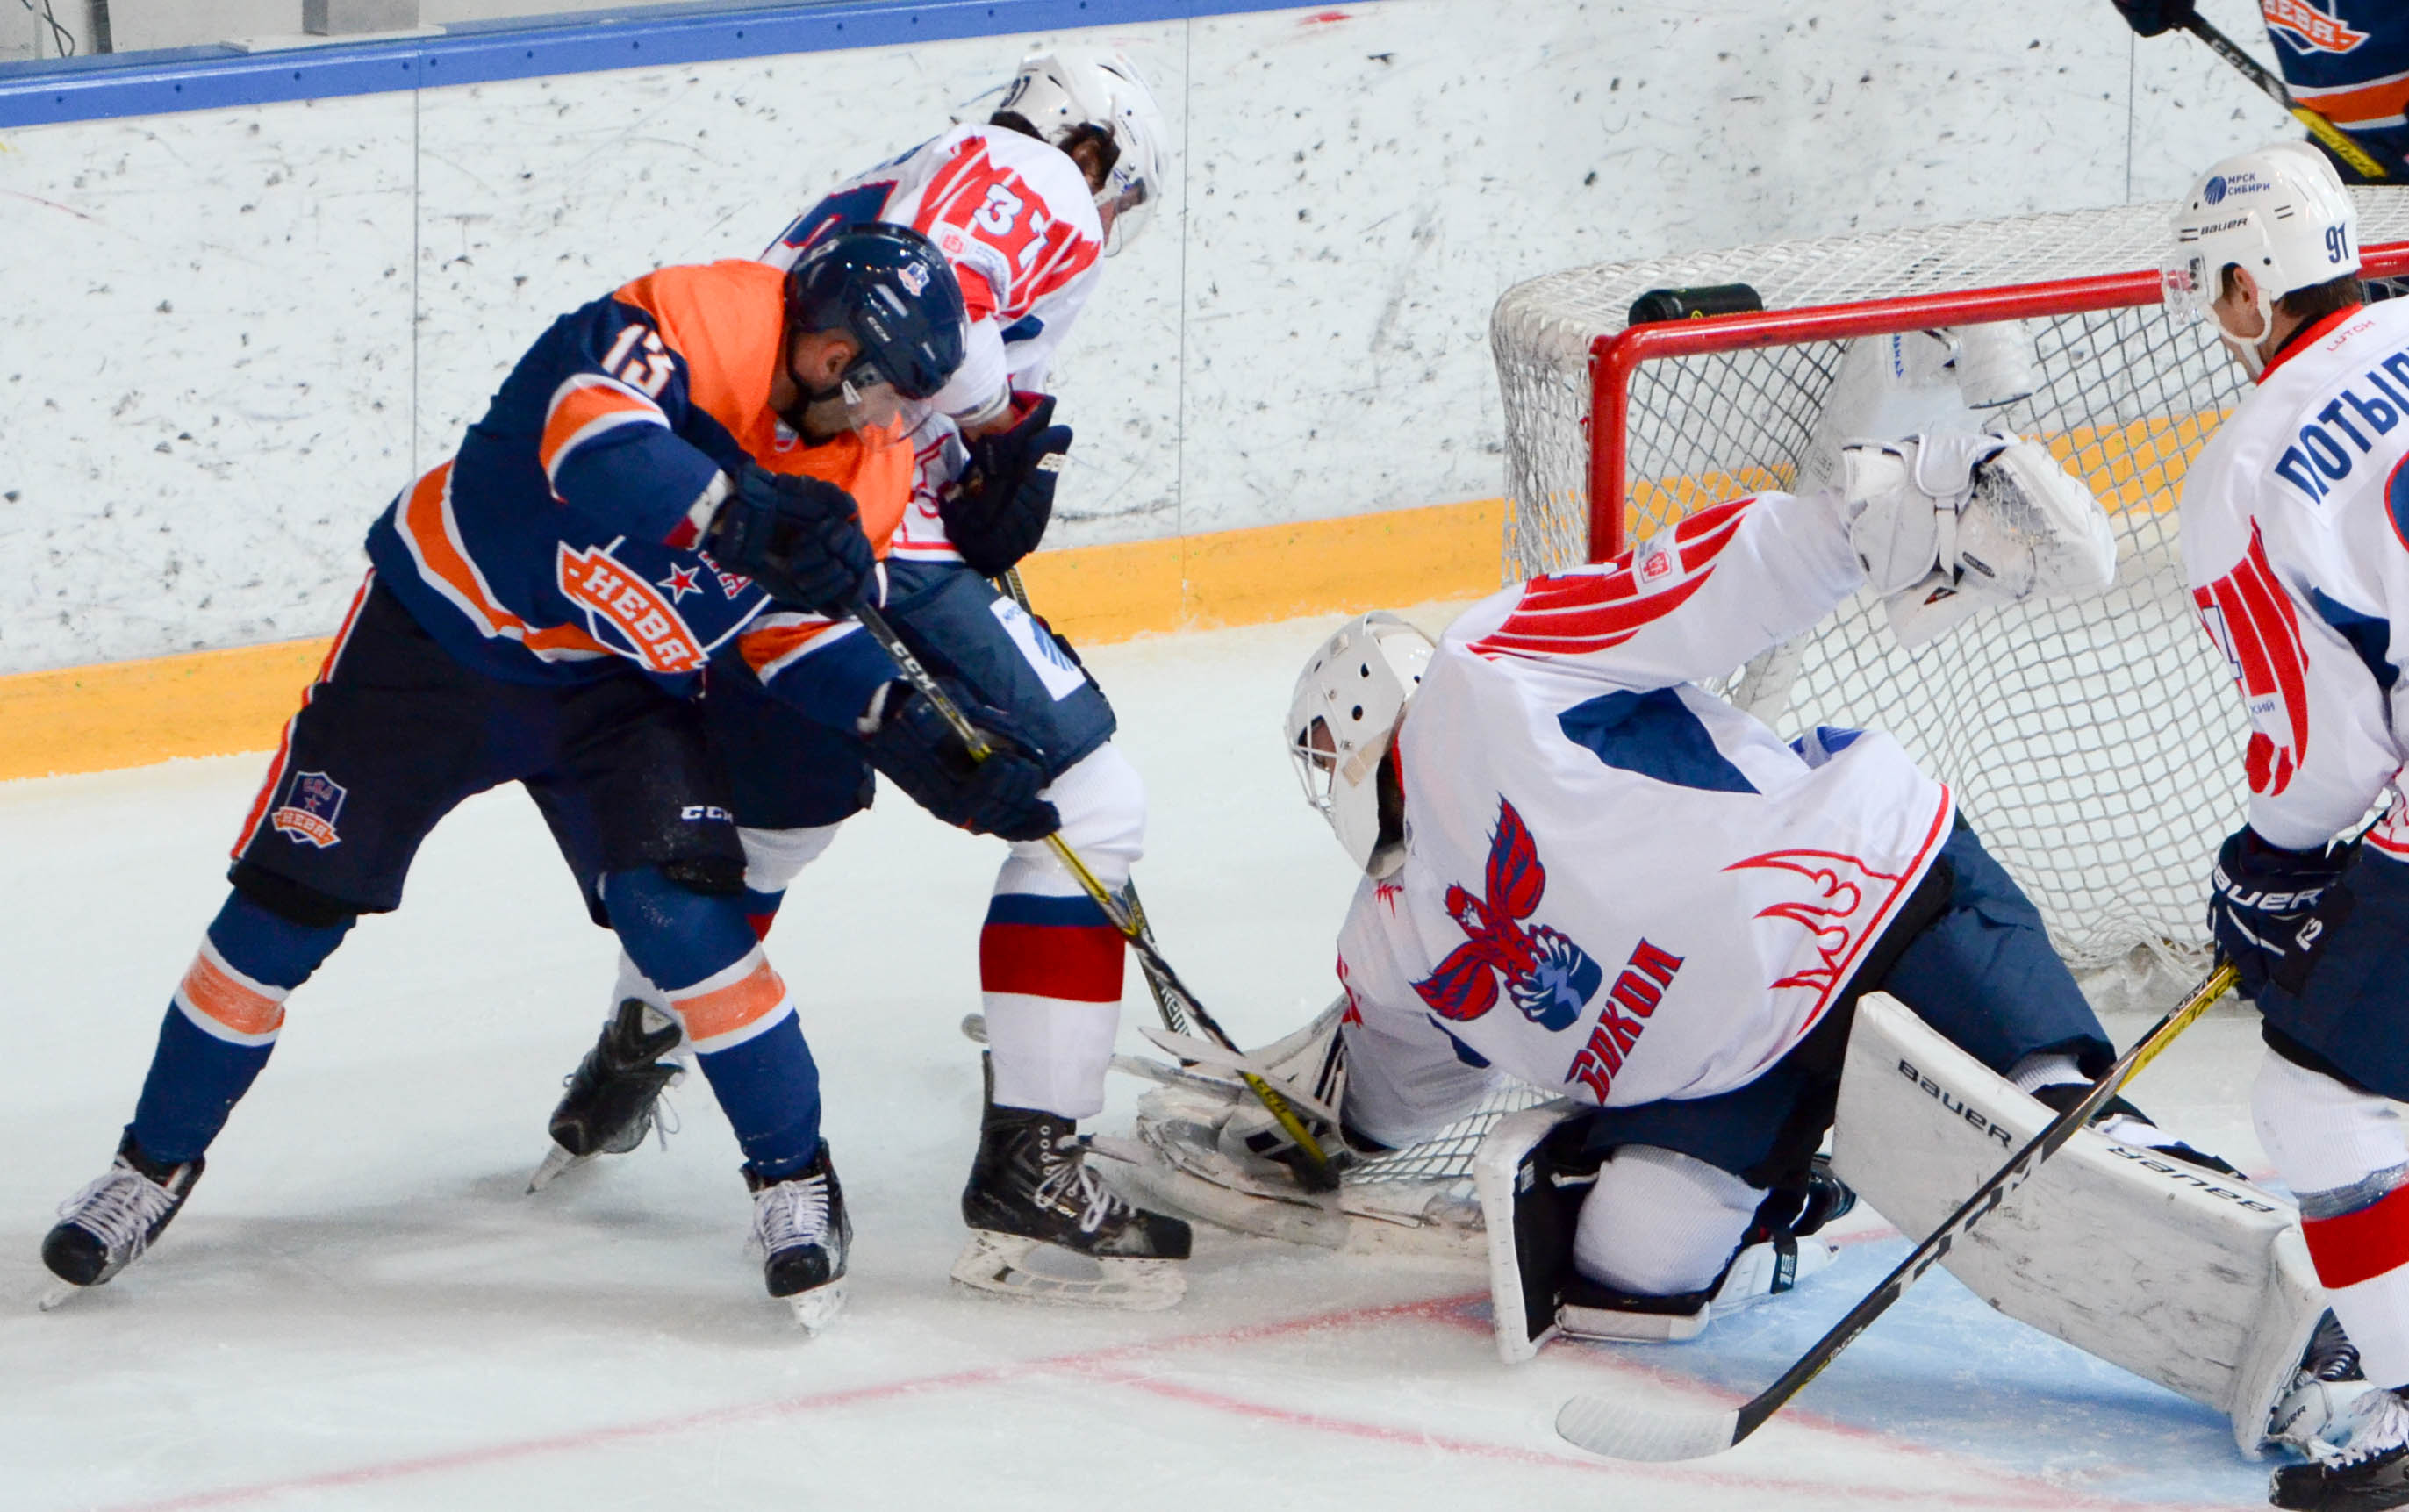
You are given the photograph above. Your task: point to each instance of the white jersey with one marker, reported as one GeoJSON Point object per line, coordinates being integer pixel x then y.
{"type": "Point", "coordinates": [1618, 886]}
{"type": "Point", "coordinates": [2294, 522]}
{"type": "Point", "coordinates": [1016, 219]}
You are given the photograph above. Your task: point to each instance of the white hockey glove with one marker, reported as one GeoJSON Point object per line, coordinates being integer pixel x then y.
{"type": "Point", "coordinates": [1949, 524]}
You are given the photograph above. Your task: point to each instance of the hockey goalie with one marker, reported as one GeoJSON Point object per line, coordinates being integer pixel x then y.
{"type": "Point", "coordinates": [1585, 872]}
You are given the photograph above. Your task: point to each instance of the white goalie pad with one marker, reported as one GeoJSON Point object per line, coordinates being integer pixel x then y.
{"type": "Point", "coordinates": [2198, 1282]}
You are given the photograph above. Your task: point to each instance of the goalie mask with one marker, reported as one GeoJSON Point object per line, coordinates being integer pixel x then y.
{"type": "Point", "coordinates": [2281, 213]}
{"type": "Point", "coordinates": [1075, 95]}
{"type": "Point", "coordinates": [1341, 721]}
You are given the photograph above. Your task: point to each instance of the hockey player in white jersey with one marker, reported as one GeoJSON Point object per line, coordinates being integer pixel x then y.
{"type": "Point", "coordinates": [1025, 208]}
{"type": "Point", "coordinates": [2293, 528]}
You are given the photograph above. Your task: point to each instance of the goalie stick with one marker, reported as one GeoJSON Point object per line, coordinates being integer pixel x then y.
{"type": "Point", "coordinates": [2324, 131]}
{"type": "Point", "coordinates": [1318, 1172]}
{"type": "Point", "coordinates": [1623, 1428]}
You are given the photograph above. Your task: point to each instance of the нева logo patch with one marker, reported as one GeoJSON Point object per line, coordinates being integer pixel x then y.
{"type": "Point", "coordinates": [312, 803]}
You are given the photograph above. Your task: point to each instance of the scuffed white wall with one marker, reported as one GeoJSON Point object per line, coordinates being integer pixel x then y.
{"type": "Point", "coordinates": [229, 337]}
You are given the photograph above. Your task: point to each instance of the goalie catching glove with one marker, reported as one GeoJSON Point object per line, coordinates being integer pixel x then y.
{"type": "Point", "coordinates": [912, 744]}
{"type": "Point", "coordinates": [2273, 910]}
{"type": "Point", "coordinates": [1948, 523]}
{"type": "Point", "coordinates": [999, 511]}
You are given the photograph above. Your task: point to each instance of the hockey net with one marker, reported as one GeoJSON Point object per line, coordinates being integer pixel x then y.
{"type": "Point", "coordinates": [2095, 744]}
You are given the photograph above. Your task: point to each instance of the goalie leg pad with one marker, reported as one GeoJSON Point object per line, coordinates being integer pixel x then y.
{"type": "Point", "coordinates": [1660, 1223]}
{"type": "Point", "coordinates": [2345, 1155]}
{"type": "Point", "coordinates": [2195, 1281]}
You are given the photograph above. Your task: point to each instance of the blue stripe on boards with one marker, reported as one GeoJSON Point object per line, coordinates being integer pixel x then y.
{"type": "Point", "coordinates": [50, 91]}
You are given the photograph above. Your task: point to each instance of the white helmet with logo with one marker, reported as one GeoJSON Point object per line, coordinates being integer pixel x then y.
{"type": "Point", "coordinates": [1341, 720]}
{"type": "Point", "coordinates": [1077, 93]}
{"type": "Point", "coordinates": [2281, 213]}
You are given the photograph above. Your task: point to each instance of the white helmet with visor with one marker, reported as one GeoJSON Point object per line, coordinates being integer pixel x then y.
{"type": "Point", "coordinates": [1076, 94]}
{"type": "Point", "coordinates": [2280, 213]}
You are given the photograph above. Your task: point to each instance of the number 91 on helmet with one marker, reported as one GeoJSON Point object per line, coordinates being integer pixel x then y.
{"type": "Point", "coordinates": [1342, 724]}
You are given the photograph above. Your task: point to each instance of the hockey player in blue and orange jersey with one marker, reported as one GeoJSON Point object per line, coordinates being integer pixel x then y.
{"type": "Point", "coordinates": [663, 467]}
{"type": "Point", "coordinates": [2347, 60]}
{"type": "Point", "coordinates": [1024, 207]}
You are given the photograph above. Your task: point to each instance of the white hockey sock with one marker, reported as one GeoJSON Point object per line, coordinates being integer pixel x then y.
{"type": "Point", "coordinates": [1659, 1223]}
{"type": "Point", "coordinates": [2345, 1155]}
{"type": "Point", "coordinates": [2048, 1069]}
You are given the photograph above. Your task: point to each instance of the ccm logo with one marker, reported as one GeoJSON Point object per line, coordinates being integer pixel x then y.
{"type": "Point", "coordinates": [707, 813]}
{"type": "Point", "coordinates": [1957, 1105]}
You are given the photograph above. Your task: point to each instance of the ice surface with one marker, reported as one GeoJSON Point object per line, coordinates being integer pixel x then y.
{"type": "Point", "coordinates": [360, 1310]}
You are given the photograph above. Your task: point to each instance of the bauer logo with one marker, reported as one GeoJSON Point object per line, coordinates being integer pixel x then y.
{"type": "Point", "coordinates": [312, 803]}
{"type": "Point", "coordinates": [1958, 1106]}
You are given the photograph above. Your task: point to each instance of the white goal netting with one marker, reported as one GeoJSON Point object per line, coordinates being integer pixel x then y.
{"type": "Point", "coordinates": [2095, 745]}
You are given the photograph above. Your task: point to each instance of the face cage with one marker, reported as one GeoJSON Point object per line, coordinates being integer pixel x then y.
{"type": "Point", "coordinates": [1131, 204]}
{"type": "Point", "coordinates": [1317, 771]}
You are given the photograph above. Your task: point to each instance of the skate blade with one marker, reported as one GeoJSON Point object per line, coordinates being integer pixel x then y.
{"type": "Point", "coordinates": [996, 1264]}
{"type": "Point", "coordinates": [59, 1296]}
{"type": "Point", "coordinates": [817, 1308]}
{"type": "Point", "coordinates": [555, 1160]}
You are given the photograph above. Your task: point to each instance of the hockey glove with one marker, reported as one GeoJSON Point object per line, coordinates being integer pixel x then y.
{"type": "Point", "coordinates": [910, 741]}
{"type": "Point", "coordinates": [799, 538]}
{"type": "Point", "coordinates": [2148, 18]}
{"type": "Point", "coordinates": [997, 513]}
{"type": "Point", "coordinates": [2273, 910]}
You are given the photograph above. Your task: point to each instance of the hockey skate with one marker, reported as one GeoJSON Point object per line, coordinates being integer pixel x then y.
{"type": "Point", "coordinates": [1031, 1198]}
{"type": "Point", "coordinates": [610, 1105]}
{"type": "Point", "coordinates": [801, 1230]}
{"type": "Point", "coordinates": [2324, 1386]}
{"type": "Point", "coordinates": [106, 1227]}
{"type": "Point", "coordinates": [2363, 1462]}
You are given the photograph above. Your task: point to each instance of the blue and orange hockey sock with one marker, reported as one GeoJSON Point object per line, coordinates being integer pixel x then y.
{"type": "Point", "coordinates": [221, 1025]}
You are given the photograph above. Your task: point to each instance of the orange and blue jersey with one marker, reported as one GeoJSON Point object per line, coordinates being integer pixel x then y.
{"type": "Point", "coordinates": [562, 540]}
{"type": "Point", "coordinates": [2347, 60]}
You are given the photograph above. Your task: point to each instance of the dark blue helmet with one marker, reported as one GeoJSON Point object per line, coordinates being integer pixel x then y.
{"type": "Point", "coordinates": [888, 288]}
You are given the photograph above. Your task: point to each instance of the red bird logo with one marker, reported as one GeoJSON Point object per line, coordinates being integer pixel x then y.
{"type": "Point", "coordinates": [1551, 978]}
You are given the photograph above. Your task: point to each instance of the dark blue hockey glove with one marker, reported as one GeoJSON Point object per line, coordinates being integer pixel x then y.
{"type": "Point", "coordinates": [2273, 910]}
{"type": "Point", "coordinates": [920, 753]}
{"type": "Point", "coordinates": [997, 513]}
{"type": "Point", "coordinates": [799, 538]}
{"type": "Point", "coordinates": [2148, 18]}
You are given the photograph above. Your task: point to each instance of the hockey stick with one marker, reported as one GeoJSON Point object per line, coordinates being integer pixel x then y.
{"type": "Point", "coordinates": [2324, 131]}
{"type": "Point", "coordinates": [1628, 1429]}
{"type": "Point", "coordinates": [1166, 1002]}
{"type": "Point", "coordinates": [1318, 1174]}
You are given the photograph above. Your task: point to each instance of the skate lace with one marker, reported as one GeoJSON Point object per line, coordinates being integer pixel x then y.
{"type": "Point", "coordinates": [791, 1213]}
{"type": "Point", "coordinates": [121, 1207]}
{"type": "Point", "coordinates": [2377, 1423]}
{"type": "Point", "coordinates": [1071, 1181]}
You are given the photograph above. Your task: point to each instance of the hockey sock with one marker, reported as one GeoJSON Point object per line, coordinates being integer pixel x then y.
{"type": "Point", "coordinates": [761, 910]}
{"type": "Point", "coordinates": [2344, 1153]}
{"type": "Point", "coordinates": [1050, 972]}
{"type": "Point", "coordinates": [737, 1013]}
{"type": "Point", "coordinates": [222, 1024]}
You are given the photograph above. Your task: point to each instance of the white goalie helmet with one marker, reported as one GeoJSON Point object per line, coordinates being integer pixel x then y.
{"type": "Point", "coordinates": [1072, 92]}
{"type": "Point", "coordinates": [1340, 720]}
{"type": "Point", "coordinates": [2281, 213]}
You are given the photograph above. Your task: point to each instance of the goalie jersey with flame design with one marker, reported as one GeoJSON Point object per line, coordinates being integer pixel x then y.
{"type": "Point", "coordinates": [1616, 885]}
{"type": "Point", "coordinates": [562, 538]}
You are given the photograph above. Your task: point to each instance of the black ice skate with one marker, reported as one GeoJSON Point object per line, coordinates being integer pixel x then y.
{"type": "Point", "coordinates": [2364, 1465]}
{"type": "Point", "coordinates": [2324, 1385]}
{"type": "Point", "coordinates": [1031, 1189]}
{"type": "Point", "coordinates": [609, 1107]}
{"type": "Point", "coordinates": [106, 1227]}
{"type": "Point", "coordinates": [800, 1225]}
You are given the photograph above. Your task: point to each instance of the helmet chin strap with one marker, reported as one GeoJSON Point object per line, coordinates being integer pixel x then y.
{"type": "Point", "coordinates": [2246, 348]}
